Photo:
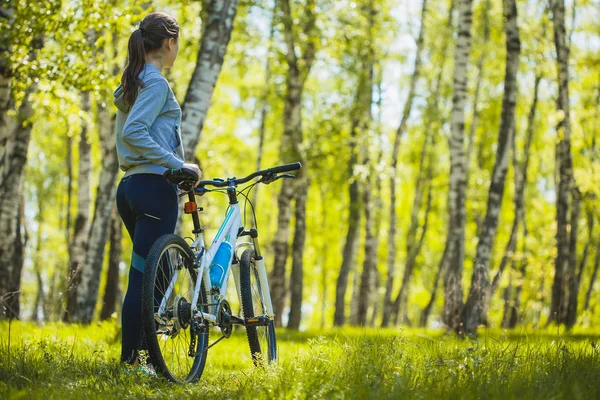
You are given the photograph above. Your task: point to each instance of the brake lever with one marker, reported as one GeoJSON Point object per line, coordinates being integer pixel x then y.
{"type": "Point", "coordinates": [286, 176]}
{"type": "Point", "coordinates": [279, 177]}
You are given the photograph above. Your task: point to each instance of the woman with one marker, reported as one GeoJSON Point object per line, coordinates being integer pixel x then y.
{"type": "Point", "coordinates": [148, 142]}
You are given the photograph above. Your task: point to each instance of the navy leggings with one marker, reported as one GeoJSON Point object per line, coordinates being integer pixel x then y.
{"type": "Point", "coordinates": [148, 207]}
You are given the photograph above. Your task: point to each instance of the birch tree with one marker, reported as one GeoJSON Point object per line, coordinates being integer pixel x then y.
{"type": "Point", "coordinates": [564, 166]}
{"type": "Point", "coordinates": [213, 47]}
{"type": "Point", "coordinates": [475, 310]}
{"type": "Point", "coordinates": [391, 244]}
{"type": "Point", "coordinates": [298, 69]}
{"type": "Point", "coordinates": [455, 242]}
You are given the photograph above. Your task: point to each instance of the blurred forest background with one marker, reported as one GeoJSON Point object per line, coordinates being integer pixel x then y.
{"type": "Point", "coordinates": [450, 150]}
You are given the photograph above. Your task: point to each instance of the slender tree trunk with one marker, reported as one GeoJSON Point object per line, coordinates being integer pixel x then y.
{"type": "Point", "coordinates": [507, 302]}
{"type": "Point", "coordinates": [291, 142]}
{"type": "Point", "coordinates": [480, 74]}
{"type": "Point", "coordinates": [324, 258]}
{"type": "Point", "coordinates": [574, 277]}
{"type": "Point", "coordinates": [78, 246]}
{"type": "Point", "coordinates": [427, 310]}
{"type": "Point", "coordinates": [12, 244]}
{"type": "Point", "coordinates": [361, 116]}
{"type": "Point", "coordinates": [37, 261]}
{"type": "Point", "coordinates": [516, 305]}
{"type": "Point", "coordinates": [588, 295]}
{"type": "Point", "coordinates": [456, 208]}
{"type": "Point", "coordinates": [434, 106]}
{"type": "Point", "coordinates": [213, 47]}
{"type": "Point", "coordinates": [521, 172]}
{"type": "Point", "coordinates": [112, 288]}
{"type": "Point", "coordinates": [475, 310]}
{"type": "Point", "coordinates": [296, 277]}
{"type": "Point", "coordinates": [413, 246]}
{"type": "Point", "coordinates": [564, 166]}
{"type": "Point", "coordinates": [7, 123]}
{"type": "Point", "coordinates": [369, 192]}
{"type": "Point", "coordinates": [370, 260]}
{"type": "Point", "coordinates": [87, 293]}
{"type": "Point", "coordinates": [388, 306]}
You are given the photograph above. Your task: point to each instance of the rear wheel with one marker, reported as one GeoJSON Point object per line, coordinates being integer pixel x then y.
{"type": "Point", "coordinates": [261, 338]}
{"type": "Point", "coordinates": [176, 337]}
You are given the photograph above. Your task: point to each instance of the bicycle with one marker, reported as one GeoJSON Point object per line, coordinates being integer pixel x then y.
{"type": "Point", "coordinates": [184, 286]}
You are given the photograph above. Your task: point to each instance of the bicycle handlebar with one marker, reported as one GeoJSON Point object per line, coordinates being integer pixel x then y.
{"type": "Point", "coordinates": [186, 177]}
{"type": "Point", "coordinates": [265, 172]}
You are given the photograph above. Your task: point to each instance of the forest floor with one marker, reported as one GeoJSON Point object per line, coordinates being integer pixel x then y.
{"type": "Point", "coordinates": [57, 361]}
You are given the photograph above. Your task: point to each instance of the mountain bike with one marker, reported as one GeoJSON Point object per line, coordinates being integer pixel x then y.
{"type": "Point", "coordinates": [184, 285]}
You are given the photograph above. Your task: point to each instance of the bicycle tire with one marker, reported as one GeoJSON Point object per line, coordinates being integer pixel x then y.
{"type": "Point", "coordinates": [261, 339]}
{"type": "Point", "coordinates": [167, 249]}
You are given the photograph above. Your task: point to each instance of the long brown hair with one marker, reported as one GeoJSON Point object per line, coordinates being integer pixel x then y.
{"type": "Point", "coordinates": [153, 30]}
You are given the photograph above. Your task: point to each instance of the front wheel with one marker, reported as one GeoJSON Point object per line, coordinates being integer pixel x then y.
{"type": "Point", "coordinates": [261, 337]}
{"type": "Point", "coordinates": [176, 335]}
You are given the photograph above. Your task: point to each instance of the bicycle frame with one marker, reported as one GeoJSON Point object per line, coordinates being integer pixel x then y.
{"type": "Point", "coordinates": [229, 231]}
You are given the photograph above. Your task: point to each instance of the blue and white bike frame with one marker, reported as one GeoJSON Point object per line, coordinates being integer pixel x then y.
{"type": "Point", "coordinates": [229, 231]}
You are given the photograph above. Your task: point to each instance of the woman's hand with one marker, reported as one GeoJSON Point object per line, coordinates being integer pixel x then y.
{"type": "Point", "coordinates": [196, 169]}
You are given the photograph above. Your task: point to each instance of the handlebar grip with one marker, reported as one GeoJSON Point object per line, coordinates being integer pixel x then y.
{"type": "Point", "coordinates": [286, 168]}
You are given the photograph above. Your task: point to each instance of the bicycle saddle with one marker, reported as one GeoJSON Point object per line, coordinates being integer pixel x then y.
{"type": "Point", "coordinates": [184, 177]}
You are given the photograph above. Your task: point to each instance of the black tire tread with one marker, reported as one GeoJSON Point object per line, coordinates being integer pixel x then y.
{"type": "Point", "coordinates": [148, 324]}
{"type": "Point", "coordinates": [247, 306]}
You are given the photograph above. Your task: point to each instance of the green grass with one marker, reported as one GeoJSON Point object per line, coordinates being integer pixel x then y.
{"type": "Point", "coordinates": [59, 361]}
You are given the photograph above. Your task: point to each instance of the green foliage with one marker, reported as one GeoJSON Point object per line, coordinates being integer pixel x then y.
{"type": "Point", "coordinates": [84, 48]}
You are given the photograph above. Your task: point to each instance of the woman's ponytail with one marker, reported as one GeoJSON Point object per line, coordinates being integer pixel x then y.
{"type": "Point", "coordinates": [136, 58]}
{"type": "Point", "coordinates": [153, 30]}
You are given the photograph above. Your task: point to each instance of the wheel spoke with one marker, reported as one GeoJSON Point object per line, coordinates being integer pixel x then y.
{"type": "Point", "coordinates": [170, 347]}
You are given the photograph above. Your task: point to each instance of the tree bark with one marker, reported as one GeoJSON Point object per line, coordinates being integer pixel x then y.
{"type": "Point", "coordinates": [574, 278]}
{"type": "Point", "coordinates": [291, 142]}
{"type": "Point", "coordinates": [564, 166]}
{"type": "Point", "coordinates": [480, 70]}
{"type": "Point", "coordinates": [370, 260]}
{"type": "Point", "coordinates": [87, 293]}
{"type": "Point", "coordinates": [456, 205]}
{"type": "Point", "coordinates": [588, 295]}
{"type": "Point", "coordinates": [365, 99]}
{"type": "Point", "coordinates": [12, 243]}
{"type": "Point", "coordinates": [296, 277]}
{"type": "Point", "coordinates": [79, 243]}
{"type": "Point", "coordinates": [112, 287]}
{"type": "Point", "coordinates": [213, 48]}
{"type": "Point", "coordinates": [264, 106]}
{"type": "Point", "coordinates": [349, 251]}
{"type": "Point", "coordinates": [434, 107]}
{"type": "Point", "coordinates": [324, 258]}
{"type": "Point", "coordinates": [7, 123]}
{"type": "Point", "coordinates": [521, 172]}
{"type": "Point", "coordinates": [475, 310]}
{"type": "Point", "coordinates": [388, 306]}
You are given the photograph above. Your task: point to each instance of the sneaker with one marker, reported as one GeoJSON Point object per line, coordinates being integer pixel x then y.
{"type": "Point", "coordinates": [146, 369]}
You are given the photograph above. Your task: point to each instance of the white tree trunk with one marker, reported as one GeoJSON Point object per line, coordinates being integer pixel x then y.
{"type": "Point", "coordinates": [87, 292]}
{"type": "Point", "coordinates": [215, 39]}
{"type": "Point", "coordinates": [456, 199]}
{"type": "Point", "coordinates": [564, 166]}
{"type": "Point", "coordinates": [80, 236]}
{"type": "Point", "coordinates": [391, 258]}
{"type": "Point", "coordinates": [14, 158]}
{"type": "Point", "coordinates": [475, 310]}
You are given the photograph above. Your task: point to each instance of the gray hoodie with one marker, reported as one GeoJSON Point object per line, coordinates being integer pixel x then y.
{"type": "Point", "coordinates": [148, 134]}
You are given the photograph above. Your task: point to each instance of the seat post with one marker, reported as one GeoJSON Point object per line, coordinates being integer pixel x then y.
{"type": "Point", "coordinates": [194, 211]}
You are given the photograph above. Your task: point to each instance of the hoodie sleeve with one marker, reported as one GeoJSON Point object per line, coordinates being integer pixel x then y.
{"type": "Point", "coordinates": [136, 132]}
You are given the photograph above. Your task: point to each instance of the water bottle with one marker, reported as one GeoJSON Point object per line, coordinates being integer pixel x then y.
{"type": "Point", "coordinates": [219, 264]}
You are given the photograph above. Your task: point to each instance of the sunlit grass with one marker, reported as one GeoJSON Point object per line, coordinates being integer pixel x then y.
{"type": "Point", "coordinates": [65, 361]}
